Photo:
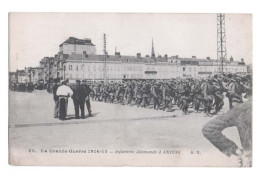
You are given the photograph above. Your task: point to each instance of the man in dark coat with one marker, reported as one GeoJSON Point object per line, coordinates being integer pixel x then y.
{"type": "Point", "coordinates": [55, 98]}
{"type": "Point", "coordinates": [88, 90]}
{"type": "Point", "coordinates": [79, 96]}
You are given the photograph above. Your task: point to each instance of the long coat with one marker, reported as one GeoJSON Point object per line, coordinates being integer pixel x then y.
{"type": "Point", "coordinates": [79, 93]}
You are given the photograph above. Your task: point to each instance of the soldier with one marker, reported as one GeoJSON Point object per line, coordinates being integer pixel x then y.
{"type": "Point", "coordinates": [129, 94]}
{"type": "Point", "coordinates": [63, 92]}
{"type": "Point", "coordinates": [234, 92]}
{"type": "Point", "coordinates": [120, 94]}
{"type": "Point", "coordinates": [218, 95]}
{"type": "Point", "coordinates": [145, 92]}
{"type": "Point", "coordinates": [79, 96]}
{"type": "Point", "coordinates": [184, 92]}
{"type": "Point", "coordinates": [87, 100]}
{"type": "Point", "coordinates": [138, 94]}
{"type": "Point", "coordinates": [166, 96]}
{"type": "Point", "coordinates": [207, 91]}
{"type": "Point", "coordinates": [198, 97]}
{"type": "Point", "coordinates": [155, 93]}
{"type": "Point", "coordinates": [55, 98]}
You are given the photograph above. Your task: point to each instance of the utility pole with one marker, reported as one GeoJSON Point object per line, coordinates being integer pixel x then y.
{"type": "Point", "coordinates": [105, 54]}
{"type": "Point", "coordinates": [16, 75]}
{"type": "Point", "coordinates": [221, 41]}
{"type": "Point", "coordinates": [83, 66]}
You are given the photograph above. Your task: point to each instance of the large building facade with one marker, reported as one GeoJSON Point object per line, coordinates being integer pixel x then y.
{"type": "Point", "coordinates": [77, 59]}
{"type": "Point", "coordinates": [118, 68]}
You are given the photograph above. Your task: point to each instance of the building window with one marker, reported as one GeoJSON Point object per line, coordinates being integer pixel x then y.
{"type": "Point", "coordinates": [183, 69]}
{"type": "Point", "coordinates": [77, 68]}
{"type": "Point", "coordinates": [70, 67]}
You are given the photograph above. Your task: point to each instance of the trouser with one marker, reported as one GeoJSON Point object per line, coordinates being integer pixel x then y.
{"type": "Point", "coordinates": [156, 103]}
{"type": "Point", "coordinates": [63, 106]}
{"type": "Point", "coordinates": [129, 99]}
{"type": "Point", "coordinates": [88, 106]}
{"type": "Point", "coordinates": [79, 105]}
{"type": "Point", "coordinates": [218, 104]}
{"type": "Point", "coordinates": [167, 104]}
{"type": "Point", "coordinates": [196, 104]}
{"type": "Point", "coordinates": [208, 105]}
{"type": "Point", "coordinates": [144, 102]}
{"type": "Point", "coordinates": [184, 106]}
{"type": "Point", "coordinates": [240, 117]}
{"type": "Point", "coordinates": [56, 108]}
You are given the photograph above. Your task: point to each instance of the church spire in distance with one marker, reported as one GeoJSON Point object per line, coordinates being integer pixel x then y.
{"type": "Point", "coordinates": [153, 53]}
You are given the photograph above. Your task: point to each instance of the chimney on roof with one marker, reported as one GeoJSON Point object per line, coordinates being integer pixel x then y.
{"type": "Point", "coordinates": [231, 59]}
{"type": "Point", "coordinates": [147, 55]}
{"type": "Point", "coordinates": [194, 57]}
{"type": "Point", "coordinates": [242, 60]}
{"type": "Point", "coordinates": [177, 56]}
{"type": "Point", "coordinates": [138, 55]}
{"type": "Point", "coordinates": [208, 58]}
{"type": "Point", "coordinates": [118, 54]}
{"type": "Point", "coordinates": [85, 54]}
{"type": "Point", "coordinates": [165, 56]}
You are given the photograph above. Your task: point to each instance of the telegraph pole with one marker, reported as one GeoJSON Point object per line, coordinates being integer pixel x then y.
{"type": "Point", "coordinates": [105, 54]}
{"type": "Point", "coordinates": [83, 66]}
{"type": "Point", "coordinates": [221, 41]}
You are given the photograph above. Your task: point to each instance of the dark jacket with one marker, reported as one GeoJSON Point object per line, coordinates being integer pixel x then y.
{"type": "Point", "coordinates": [54, 90]}
{"type": "Point", "coordinates": [79, 93]}
{"type": "Point", "coordinates": [87, 89]}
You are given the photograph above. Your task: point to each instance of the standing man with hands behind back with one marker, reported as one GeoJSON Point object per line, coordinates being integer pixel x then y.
{"type": "Point", "coordinates": [79, 95]}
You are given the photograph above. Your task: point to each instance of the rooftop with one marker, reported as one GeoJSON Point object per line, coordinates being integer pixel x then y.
{"type": "Point", "coordinates": [76, 41]}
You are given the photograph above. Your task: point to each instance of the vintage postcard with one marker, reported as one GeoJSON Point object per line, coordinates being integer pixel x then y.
{"type": "Point", "coordinates": [130, 89]}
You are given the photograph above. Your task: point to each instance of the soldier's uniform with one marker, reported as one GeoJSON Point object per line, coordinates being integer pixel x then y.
{"type": "Point", "coordinates": [185, 92]}
{"type": "Point", "coordinates": [155, 92]}
{"type": "Point", "coordinates": [145, 93]}
{"type": "Point", "coordinates": [207, 91]}
{"type": "Point", "coordinates": [234, 93]}
{"type": "Point", "coordinates": [166, 97]}
{"type": "Point", "coordinates": [218, 95]}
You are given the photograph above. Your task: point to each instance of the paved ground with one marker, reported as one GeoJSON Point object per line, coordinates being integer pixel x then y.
{"type": "Point", "coordinates": [113, 127]}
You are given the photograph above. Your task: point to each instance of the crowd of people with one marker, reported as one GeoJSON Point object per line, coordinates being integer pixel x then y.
{"type": "Point", "coordinates": [27, 86]}
{"type": "Point", "coordinates": [200, 94]}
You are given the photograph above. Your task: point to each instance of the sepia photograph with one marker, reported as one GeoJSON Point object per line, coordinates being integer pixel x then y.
{"type": "Point", "coordinates": [130, 89]}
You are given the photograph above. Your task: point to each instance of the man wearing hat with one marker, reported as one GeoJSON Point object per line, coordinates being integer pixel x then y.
{"type": "Point", "coordinates": [56, 98]}
{"type": "Point", "coordinates": [207, 91]}
{"type": "Point", "coordinates": [79, 96]}
{"type": "Point", "coordinates": [218, 90]}
{"type": "Point", "coordinates": [235, 92]}
{"type": "Point", "coordinates": [87, 99]}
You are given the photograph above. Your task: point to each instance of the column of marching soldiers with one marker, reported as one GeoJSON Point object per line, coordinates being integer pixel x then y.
{"type": "Point", "coordinates": [200, 94]}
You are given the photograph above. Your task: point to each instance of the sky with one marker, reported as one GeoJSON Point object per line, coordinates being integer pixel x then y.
{"type": "Point", "coordinates": [33, 36]}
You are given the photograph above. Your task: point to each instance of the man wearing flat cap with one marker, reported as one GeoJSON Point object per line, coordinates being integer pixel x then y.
{"type": "Point", "coordinates": [55, 98]}
{"type": "Point", "coordinates": [79, 95]}
{"type": "Point", "coordinates": [88, 90]}
{"type": "Point", "coordinates": [235, 92]}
